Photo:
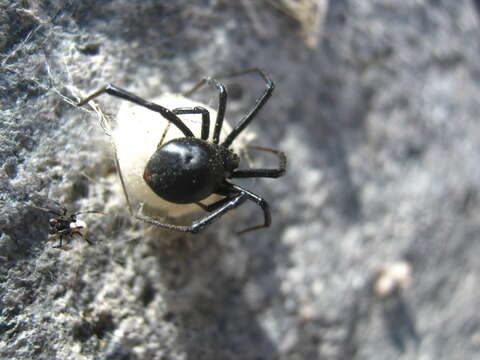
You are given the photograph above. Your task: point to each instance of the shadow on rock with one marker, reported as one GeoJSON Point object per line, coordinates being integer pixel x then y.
{"type": "Point", "coordinates": [206, 279]}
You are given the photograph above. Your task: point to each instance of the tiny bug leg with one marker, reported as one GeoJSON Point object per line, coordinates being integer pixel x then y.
{"type": "Point", "coordinates": [47, 210]}
{"type": "Point", "coordinates": [87, 212]}
{"type": "Point", "coordinates": [82, 235]}
{"type": "Point", "coordinates": [60, 241]}
{"type": "Point", "coordinates": [68, 232]}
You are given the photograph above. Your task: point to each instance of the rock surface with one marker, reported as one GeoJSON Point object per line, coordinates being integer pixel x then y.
{"type": "Point", "coordinates": [380, 124]}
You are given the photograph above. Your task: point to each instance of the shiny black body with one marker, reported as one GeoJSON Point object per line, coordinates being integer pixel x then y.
{"type": "Point", "coordinates": [189, 169]}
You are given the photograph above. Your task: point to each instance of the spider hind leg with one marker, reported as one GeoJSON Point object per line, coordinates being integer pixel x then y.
{"type": "Point", "coordinates": [200, 224]}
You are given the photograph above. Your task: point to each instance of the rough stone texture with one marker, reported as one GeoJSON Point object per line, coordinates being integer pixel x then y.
{"type": "Point", "coordinates": [380, 124]}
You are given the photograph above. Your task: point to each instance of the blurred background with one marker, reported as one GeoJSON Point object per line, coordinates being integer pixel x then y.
{"type": "Point", "coordinates": [373, 250]}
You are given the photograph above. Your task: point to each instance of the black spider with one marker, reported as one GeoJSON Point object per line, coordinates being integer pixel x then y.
{"type": "Point", "coordinates": [189, 169]}
{"type": "Point", "coordinates": [65, 225]}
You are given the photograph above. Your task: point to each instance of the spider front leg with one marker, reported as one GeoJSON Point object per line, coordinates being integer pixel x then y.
{"type": "Point", "coordinates": [125, 95]}
{"type": "Point", "coordinates": [203, 222]}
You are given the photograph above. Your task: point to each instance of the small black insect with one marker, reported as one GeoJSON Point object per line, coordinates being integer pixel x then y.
{"type": "Point", "coordinates": [65, 225]}
{"type": "Point", "coordinates": [189, 169]}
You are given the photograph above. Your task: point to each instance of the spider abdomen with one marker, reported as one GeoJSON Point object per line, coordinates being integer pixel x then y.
{"type": "Point", "coordinates": [185, 170]}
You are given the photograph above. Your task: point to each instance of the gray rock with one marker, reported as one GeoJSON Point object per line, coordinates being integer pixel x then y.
{"type": "Point", "coordinates": [380, 123]}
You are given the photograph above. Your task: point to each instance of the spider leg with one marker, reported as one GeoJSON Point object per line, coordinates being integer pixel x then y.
{"type": "Point", "coordinates": [222, 104]}
{"type": "Point", "coordinates": [164, 134]}
{"type": "Point", "coordinates": [200, 224]}
{"type": "Point", "coordinates": [260, 202]}
{"type": "Point", "coordinates": [125, 95]}
{"type": "Point", "coordinates": [59, 245]}
{"type": "Point", "coordinates": [197, 110]}
{"type": "Point", "coordinates": [268, 173]}
{"type": "Point", "coordinates": [120, 174]}
{"type": "Point", "coordinates": [88, 212]}
{"type": "Point", "coordinates": [84, 237]}
{"type": "Point", "coordinates": [215, 205]}
{"type": "Point", "coordinates": [47, 210]}
{"type": "Point", "coordinates": [68, 231]}
{"type": "Point", "coordinates": [260, 102]}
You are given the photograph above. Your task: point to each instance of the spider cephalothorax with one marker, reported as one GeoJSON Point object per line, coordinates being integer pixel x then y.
{"type": "Point", "coordinates": [187, 170]}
